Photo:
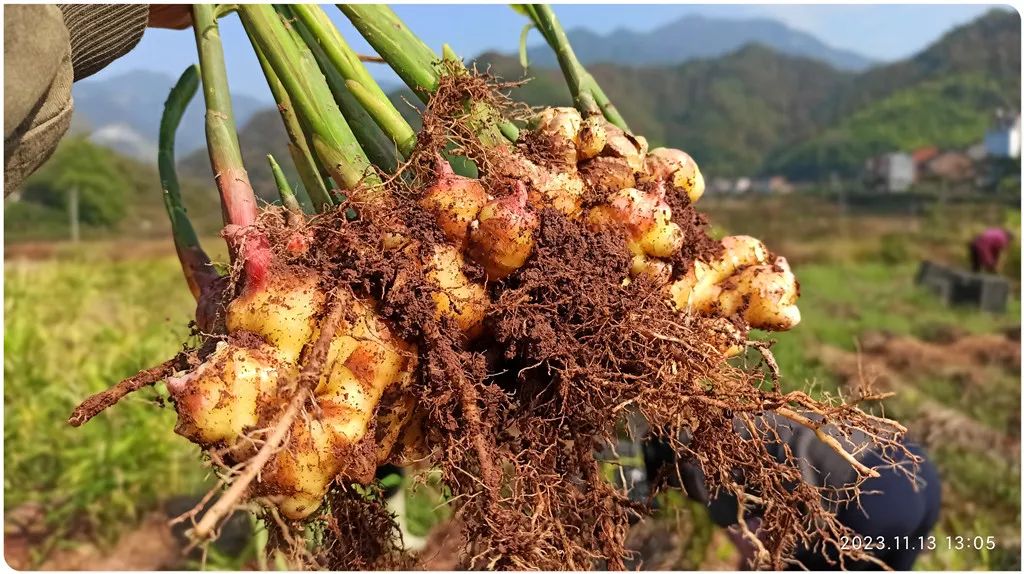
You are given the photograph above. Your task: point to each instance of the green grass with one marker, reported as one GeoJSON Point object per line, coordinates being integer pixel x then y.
{"type": "Point", "coordinates": [839, 303]}
{"type": "Point", "coordinates": [425, 504]}
{"type": "Point", "coordinates": [72, 328]}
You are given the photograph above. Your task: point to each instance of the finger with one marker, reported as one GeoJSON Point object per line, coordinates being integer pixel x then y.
{"type": "Point", "coordinates": [173, 16]}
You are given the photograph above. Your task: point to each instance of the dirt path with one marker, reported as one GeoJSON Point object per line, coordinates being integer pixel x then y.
{"type": "Point", "coordinates": [148, 546]}
{"type": "Point", "coordinates": [152, 544]}
{"type": "Point", "coordinates": [108, 249]}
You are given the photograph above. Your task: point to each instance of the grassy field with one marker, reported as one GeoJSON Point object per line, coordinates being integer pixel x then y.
{"type": "Point", "coordinates": [71, 328]}
{"type": "Point", "coordinates": [76, 322]}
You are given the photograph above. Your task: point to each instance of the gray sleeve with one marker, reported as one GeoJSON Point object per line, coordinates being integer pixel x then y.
{"type": "Point", "coordinates": [819, 465]}
{"type": "Point", "coordinates": [46, 48]}
{"type": "Point", "coordinates": [102, 33]}
{"type": "Point", "coordinates": [37, 88]}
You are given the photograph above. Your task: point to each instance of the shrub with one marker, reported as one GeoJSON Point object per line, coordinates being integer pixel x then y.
{"type": "Point", "coordinates": [92, 170]}
{"type": "Point", "coordinates": [894, 248]}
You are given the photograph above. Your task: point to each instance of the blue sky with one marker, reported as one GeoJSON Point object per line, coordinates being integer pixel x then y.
{"type": "Point", "coordinates": [882, 32]}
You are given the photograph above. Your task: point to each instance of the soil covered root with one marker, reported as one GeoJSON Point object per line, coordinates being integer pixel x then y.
{"type": "Point", "coordinates": [512, 417]}
{"type": "Point", "coordinates": [357, 532]}
{"type": "Point", "coordinates": [593, 172]}
{"type": "Point", "coordinates": [424, 329]}
{"type": "Point", "coordinates": [582, 349]}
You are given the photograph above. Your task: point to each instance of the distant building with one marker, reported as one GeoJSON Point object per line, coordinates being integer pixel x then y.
{"type": "Point", "coordinates": [1002, 140]}
{"type": "Point", "coordinates": [742, 185]}
{"type": "Point", "coordinates": [952, 166]}
{"type": "Point", "coordinates": [923, 155]}
{"type": "Point", "coordinates": [773, 184]}
{"type": "Point", "coordinates": [720, 185]}
{"type": "Point", "coordinates": [890, 172]}
{"type": "Point", "coordinates": [977, 151]}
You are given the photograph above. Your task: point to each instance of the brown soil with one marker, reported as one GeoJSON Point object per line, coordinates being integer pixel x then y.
{"type": "Point", "coordinates": [949, 350]}
{"type": "Point", "coordinates": [699, 245]}
{"type": "Point", "coordinates": [443, 547]}
{"type": "Point", "coordinates": [149, 545]}
{"type": "Point", "coordinates": [887, 362]}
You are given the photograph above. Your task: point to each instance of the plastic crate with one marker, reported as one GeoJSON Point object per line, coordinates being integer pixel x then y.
{"type": "Point", "coordinates": [959, 287]}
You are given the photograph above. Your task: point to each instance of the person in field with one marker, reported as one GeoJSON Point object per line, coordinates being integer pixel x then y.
{"type": "Point", "coordinates": [987, 247]}
{"type": "Point", "coordinates": [895, 514]}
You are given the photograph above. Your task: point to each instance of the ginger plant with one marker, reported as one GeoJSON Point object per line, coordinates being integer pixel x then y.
{"type": "Point", "coordinates": [498, 327]}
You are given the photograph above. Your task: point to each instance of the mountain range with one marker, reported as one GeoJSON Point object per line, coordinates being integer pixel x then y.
{"type": "Point", "coordinates": [757, 110]}
{"type": "Point", "coordinates": [692, 37]}
{"type": "Point", "coordinates": [123, 113]}
{"type": "Point", "coordinates": [785, 103]}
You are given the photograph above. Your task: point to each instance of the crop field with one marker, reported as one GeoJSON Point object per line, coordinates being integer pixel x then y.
{"type": "Point", "coordinates": [79, 318]}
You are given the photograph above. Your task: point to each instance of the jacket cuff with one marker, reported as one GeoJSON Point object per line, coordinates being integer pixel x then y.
{"type": "Point", "coordinates": [101, 33]}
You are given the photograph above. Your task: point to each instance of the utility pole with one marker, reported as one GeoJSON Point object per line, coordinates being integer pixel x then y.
{"type": "Point", "coordinates": [839, 189]}
{"type": "Point", "coordinates": [73, 213]}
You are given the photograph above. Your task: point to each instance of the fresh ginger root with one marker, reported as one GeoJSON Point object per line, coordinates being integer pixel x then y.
{"type": "Point", "coordinates": [222, 400]}
{"type": "Point", "coordinates": [234, 395]}
{"type": "Point", "coordinates": [501, 238]}
{"type": "Point", "coordinates": [744, 280]}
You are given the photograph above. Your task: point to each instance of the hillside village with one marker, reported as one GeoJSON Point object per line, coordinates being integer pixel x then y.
{"type": "Point", "coordinates": [980, 166]}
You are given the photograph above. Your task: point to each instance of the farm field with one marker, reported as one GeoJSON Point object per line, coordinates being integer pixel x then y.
{"type": "Point", "coordinates": [78, 318]}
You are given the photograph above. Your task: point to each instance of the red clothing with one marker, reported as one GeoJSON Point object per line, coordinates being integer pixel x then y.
{"type": "Point", "coordinates": [988, 246]}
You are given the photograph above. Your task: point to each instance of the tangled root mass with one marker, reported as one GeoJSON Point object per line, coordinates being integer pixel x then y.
{"type": "Point", "coordinates": [571, 347]}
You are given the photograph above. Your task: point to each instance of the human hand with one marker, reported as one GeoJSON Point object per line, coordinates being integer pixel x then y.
{"type": "Point", "coordinates": [173, 16]}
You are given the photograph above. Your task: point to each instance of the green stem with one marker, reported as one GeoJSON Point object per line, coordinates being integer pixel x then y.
{"type": "Point", "coordinates": [416, 64]}
{"type": "Point", "coordinates": [283, 187]}
{"type": "Point", "coordinates": [396, 128]}
{"type": "Point", "coordinates": [488, 116]}
{"type": "Point", "coordinates": [333, 140]}
{"type": "Point", "coordinates": [298, 147]}
{"type": "Point", "coordinates": [407, 55]}
{"type": "Point", "coordinates": [195, 264]}
{"type": "Point", "coordinates": [223, 10]}
{"type": "Point", "coordinates": [346, 62]}
{"type": "Point", "coordinates": [378, 147]}
{"type": "Point", "coordinates": [587, 95]}
{"type": "Point", "coordinates": [483, 119]}
{"type": "Point", "coordinates": [238, 202]}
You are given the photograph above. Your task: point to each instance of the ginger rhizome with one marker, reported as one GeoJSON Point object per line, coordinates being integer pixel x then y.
{"type": "Point", "coordinates": [497, 325]}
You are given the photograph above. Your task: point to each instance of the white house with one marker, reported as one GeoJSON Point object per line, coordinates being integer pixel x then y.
{"type": "Point", "coordinates": [890, 172]}
{"type": "Point", "coordinates": [1003, 139]}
